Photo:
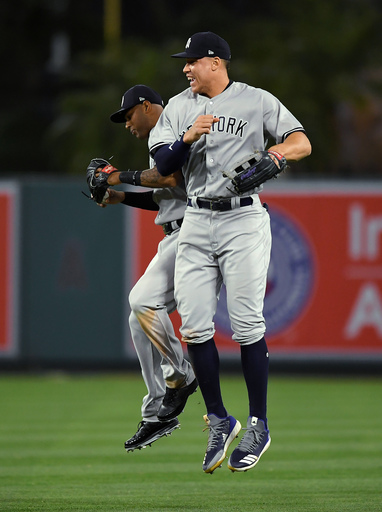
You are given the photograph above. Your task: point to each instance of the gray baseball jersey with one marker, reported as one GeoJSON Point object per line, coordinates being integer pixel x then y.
{"type": "Point", "coordinates": [241, 110]}
{"type": "Point", "coordinates": [231, 246]}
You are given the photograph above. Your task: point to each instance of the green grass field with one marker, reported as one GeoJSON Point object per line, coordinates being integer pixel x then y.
{"type": "Point", "coordinates": [61, 448]}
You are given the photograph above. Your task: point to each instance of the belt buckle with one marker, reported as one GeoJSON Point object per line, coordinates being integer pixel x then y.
{"type": "Point", "coordinates": [219, 204]}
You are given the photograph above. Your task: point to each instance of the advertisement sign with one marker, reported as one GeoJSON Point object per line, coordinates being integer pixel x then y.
{"type": "Point", "coordinates": [8, 269]}
{"type": "Point", "coordinates": [324, 291]}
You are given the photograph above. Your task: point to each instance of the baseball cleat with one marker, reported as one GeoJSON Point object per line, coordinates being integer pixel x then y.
{"type": "Point", "coordinates": [253, 444]}
{"type": "Point", "coordinates": [174, 401]}
{"type": "Point", "coordinates": [150, 431]}
{"type": "Point", "coordinates": [222, 432]}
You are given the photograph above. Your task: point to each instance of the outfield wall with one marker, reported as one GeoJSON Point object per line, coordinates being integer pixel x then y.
{"type": "Point", "coordinates": [66, 267]}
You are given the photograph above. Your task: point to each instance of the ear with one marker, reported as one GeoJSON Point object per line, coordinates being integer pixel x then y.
{"type": "Point", "coordinates": [215, 64]}
{"type": "Point", "coordinates": [146, 106]}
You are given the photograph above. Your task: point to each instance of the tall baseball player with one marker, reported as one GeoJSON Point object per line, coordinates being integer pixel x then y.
{"type": "Point", "coordinates": [169, 377]}
{"type": "Point", "coordinates": [213, 130]}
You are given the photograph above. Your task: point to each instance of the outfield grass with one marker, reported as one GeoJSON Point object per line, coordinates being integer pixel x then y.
{"type": "Point", "coordinates": [61, 449]}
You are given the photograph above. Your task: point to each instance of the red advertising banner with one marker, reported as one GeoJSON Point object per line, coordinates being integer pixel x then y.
{"type": "Point", "coordinates": [8, 258]}
{"type": "Point", "coordinates": [324, 293]}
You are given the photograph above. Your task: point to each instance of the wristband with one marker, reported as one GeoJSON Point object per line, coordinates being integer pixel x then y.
{"type": "Point", "coordinates": [109, 169]}
{"type": "Point", "coordinates": [130, 177]}
{"type": "Point", "coordinates": [276, 154]}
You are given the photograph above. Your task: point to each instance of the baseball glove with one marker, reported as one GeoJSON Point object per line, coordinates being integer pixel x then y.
{"type": "Point", "coordinates": [97, 174]}
{"type": "Point", "coordinates": [259, 168]}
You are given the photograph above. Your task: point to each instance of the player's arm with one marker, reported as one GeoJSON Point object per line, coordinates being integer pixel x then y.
{"type": "Point", "coordinates": [150, 178]}
{"type": "Point", "coordinates": [170, 157]}
{"type": "Point", "coordinates": [100, 174]}
{"type": "Point", "coordinates": [295, 147]}
{"type": "Point", "coordinates": [143, 200]}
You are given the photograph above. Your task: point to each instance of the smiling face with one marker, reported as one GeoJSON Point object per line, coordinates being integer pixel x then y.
{"type": "Point", "coordinates": [198, 73]}
{"type": "Point", "coordinates": [207, 76]}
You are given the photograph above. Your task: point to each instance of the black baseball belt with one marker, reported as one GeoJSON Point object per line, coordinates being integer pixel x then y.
{"type": "Point", "coordinates": [221, 205]}
{"type": "Point", "coordinates": [169, 227]}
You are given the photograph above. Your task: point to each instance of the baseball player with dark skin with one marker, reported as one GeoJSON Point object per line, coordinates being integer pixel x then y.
{"type": "Point", "coordinates": [224, 237]}
{"type": "Point", "coordinates": [168, 376]}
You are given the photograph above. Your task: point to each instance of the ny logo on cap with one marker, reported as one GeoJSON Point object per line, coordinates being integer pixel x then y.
{"type": "Point", "coordinates": [188, 42]}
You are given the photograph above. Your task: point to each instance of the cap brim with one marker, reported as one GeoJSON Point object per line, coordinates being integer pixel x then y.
{"type": "Point", "coordinates": [185, 55]}
{"type": "Point", "coordinates": [119, 117]}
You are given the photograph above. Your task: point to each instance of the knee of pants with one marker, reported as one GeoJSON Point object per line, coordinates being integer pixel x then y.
{"type": "Point", "coordinates": [136, 298]}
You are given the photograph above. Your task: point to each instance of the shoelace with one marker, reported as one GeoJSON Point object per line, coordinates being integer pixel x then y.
{"type": "Point", "coordinates": [249, 442]}
{"type": "Point", "coordinates": [215, 432]}
{"type": "Point", "coordinates": [140, 425]}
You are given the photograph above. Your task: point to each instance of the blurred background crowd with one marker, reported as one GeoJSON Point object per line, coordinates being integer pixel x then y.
{"type": "Point", "coordinates": [66, 64]}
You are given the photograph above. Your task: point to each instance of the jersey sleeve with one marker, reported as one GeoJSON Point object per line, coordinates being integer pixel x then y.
{"type": "Point", "coordinates": [279, 122]}
{"type": "Point", "coordinates": [163, 132]}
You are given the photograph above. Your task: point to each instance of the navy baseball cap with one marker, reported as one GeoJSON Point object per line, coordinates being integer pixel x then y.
{"type": "Point", "coordinates": [205, 44]}
{"type": "Point", "coordinates": [134, 96]}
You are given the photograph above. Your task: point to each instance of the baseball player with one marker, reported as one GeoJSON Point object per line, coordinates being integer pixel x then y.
{"type": "Point", "coordinates": [225, 236]}
{"type": "Point", "coordinates": [169, 377]}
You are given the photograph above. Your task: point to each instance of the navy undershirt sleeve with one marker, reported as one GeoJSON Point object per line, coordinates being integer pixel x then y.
{"type": "Point", "coordinates": [171, 157]}
{"type": "Point", "coordinates": [143, 200]}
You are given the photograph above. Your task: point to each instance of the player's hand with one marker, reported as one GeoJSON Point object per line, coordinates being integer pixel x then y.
{"type": "Point", "coordinates": [115, 197]}
{"type": "Point", "coordinates": [113, 179]}
{"type": "Point", "coordinates": [202, 126]}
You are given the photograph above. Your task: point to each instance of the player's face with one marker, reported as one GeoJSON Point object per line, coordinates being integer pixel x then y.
{"type": "Point", "coordinates": [200, 75]}
{"type": "Point", "coordinates": [138, 122]}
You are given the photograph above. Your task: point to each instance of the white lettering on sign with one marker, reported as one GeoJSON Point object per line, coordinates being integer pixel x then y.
{"type": "Point", "coordinates": [364, 234]}
{"type": "Point", "coordinates": [367, 312]}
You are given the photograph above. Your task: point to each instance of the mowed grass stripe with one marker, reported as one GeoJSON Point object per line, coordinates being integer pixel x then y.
{"type": "Point", "coordinates": [61, 448]}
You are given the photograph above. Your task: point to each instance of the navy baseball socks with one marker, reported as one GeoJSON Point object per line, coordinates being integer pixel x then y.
{"type": "Point", "coordinates": [255, 364]}
{"type": "Point", "coordinates": [222, 432]}
{"type": "Point", "coordinates": [205, 362]}
{"type": "Point", "coordinates": [253, 444]}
